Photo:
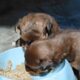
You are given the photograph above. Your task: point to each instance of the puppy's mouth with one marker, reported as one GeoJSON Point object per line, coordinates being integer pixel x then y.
{"type": "Point", "coordinates": [39, 70]}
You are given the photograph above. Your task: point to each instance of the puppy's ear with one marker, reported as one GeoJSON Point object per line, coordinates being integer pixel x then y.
{"type": "Point", "coordinates": [68, 49]}
{"type": "Point", "coordinates": [52, 28]}
{"type": "Point", "coordinates": [59, 57]}
{"type": "Point", "coordinates": [18, 30]}
{"type": "Point", "coordinates": [48, 28]}
{"type": "Point", "coordinates": [55, 27]}
{"type": "Point", "coordinates": [64, 51]}
{"type": "Point", "coordinates": [71, 57]}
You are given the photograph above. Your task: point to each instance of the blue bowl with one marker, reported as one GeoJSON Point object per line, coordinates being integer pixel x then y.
{"type": "Point", "coordinates": [16, 56]}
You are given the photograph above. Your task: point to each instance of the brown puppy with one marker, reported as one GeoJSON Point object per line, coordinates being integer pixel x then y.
{"type": "Point", "coordinates": [43, 55]}
{"type": "Point", "coordinates": [36, 26]}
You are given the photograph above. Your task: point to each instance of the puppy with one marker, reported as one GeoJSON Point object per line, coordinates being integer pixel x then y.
{"type": "Point", "coordinates": [43, 55]}
{"type": "Point", "coordinates": [36, 26]}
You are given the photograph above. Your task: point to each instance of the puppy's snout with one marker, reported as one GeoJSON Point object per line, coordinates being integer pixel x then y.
{"type": "Point", "coordinates": [47, 67]}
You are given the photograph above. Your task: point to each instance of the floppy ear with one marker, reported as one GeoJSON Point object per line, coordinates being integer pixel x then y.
{"type": "Point", "coordinates": [48, 29]}
{"type": "Point", "coordinates": [71, 57]}
{"type": "Point", "coordinates": [69, 54]}
{"type": "Point", "coordinates": [55, 27]}
{"type": "Point", "coordinates": [59, 57]}
{"type": "Point", "coordinates": [68, 50]}
{"type": "Point", "coordinates": [52, 28]}
{"type": "Point", "coordinates": [64, 51]}
{"type": "Point", "coordinates": [18, 30]}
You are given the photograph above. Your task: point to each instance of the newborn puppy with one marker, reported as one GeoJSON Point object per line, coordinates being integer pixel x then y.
{"type": "Point", "coordinates": [36, 26]}
{"type": "Point", "coordinates": [41, 56]}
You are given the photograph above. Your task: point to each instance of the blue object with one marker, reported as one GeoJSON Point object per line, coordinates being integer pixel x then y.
{"type": "Point", "coordinates": [16, 56]}
{"type": "Point", "coordinates": [62, 72]}
{"type": "Point", "coordinates": [4, 78]}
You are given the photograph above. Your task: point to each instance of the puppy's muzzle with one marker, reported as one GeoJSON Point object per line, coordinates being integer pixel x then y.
{"type": "Point", "coordinates": [43, 68]}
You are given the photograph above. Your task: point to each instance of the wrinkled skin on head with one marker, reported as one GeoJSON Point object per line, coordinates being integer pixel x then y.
{"type": "Point", "coordinates": [42, 56]}
{"type": "Point", "coordinates": [37, 26]}
{"type": "Point", "coordinates": [37, 60]}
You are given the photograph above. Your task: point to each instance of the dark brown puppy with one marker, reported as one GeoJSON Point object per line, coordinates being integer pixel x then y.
{"type": "Point", "coordinates": [36, 26]}
{"type": "Point", "coordinates": [43, 55]}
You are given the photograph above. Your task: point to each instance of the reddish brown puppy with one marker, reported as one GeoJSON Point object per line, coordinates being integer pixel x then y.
{"type": "Point", "coordinates": [36, 26]}
{"type": "Point", "coordinates": [41, 56]}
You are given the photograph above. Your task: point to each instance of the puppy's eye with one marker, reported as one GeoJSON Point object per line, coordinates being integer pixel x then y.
{"type": "Point", "coordinates": [28, 68]}
{"type": "Point", "coordinates": [35, 31]}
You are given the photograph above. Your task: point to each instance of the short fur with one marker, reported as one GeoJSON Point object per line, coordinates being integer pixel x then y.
{"type": "Point", "coordinates": [36, 26]}
{"type": "Point", "coordinates": [46, 54]}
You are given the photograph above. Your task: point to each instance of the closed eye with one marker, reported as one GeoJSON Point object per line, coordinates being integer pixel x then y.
{"type": "Point", "coordinates": [35, 31]}
{"type": "Point", "coordinates": [32, 67]}
{"type": "Point", "coordinates": [28, 68]}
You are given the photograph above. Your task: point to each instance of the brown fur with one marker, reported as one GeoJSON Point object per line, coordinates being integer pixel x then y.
{"type": "Point", "coordinates": [37, 26]}
{"type": "Point", "coordinates": [49, 53]}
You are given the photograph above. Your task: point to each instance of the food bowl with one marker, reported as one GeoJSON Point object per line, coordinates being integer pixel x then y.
{"type": "Point", "coordinates": [16, 56]}
{"type": "Point", "coordinates": [62, 72]}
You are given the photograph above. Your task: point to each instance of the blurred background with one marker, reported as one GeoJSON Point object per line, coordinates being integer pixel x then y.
{"type": "Point", "coordinates": [66, 12]}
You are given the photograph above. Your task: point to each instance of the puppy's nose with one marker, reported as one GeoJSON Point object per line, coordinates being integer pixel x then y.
{"type": "Point", "coordinates": [48, 66]}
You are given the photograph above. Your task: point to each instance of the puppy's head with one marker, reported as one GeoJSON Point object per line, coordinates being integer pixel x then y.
{"type": "Point", "coordinates": [36, 26]}
{"type": "Point", "coordinates": [38, 59]}
{"type": "Point", "coordinates": [42, 56]}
